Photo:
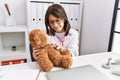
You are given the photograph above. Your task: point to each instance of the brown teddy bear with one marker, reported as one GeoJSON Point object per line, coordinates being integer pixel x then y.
{"type": "Point", "coordinates": [48, 56]}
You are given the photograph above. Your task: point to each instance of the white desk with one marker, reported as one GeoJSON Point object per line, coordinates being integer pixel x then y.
{"type": "Point", "coordinates": [94, 59]}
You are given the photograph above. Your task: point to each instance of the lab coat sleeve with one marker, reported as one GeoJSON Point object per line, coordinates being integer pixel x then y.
{"type": "Point", "coordinates": [73, 45]}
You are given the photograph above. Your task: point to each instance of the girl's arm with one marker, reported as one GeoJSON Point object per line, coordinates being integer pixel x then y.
{"type": "Point", "coordinates": [73, 44]}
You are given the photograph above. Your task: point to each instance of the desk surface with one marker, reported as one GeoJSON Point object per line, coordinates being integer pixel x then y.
{"type": "Point", "coordinates": [94, 59]}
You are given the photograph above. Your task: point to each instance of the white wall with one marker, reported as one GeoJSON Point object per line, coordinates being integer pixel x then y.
{"type": "Point", "coordinates": [96, 24]}
{"type": "Point", "coordinates": [17, 9]}
{"type": "Point", "coordinates": [97, 18]}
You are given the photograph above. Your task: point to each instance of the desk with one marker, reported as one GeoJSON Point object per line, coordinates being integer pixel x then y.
{"type": "Point", "coordinates": [94, 59]}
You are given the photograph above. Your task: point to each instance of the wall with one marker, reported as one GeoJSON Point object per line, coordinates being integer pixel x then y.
{"type": "Point", "coordinates": [96, 23]}
{"type": "Point", "coordinates": [17, 9]}
{"type": "Point", "coordinates": [97, 19]}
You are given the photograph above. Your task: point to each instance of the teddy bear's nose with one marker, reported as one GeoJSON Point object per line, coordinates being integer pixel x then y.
{"type": "Point", "coordinates": [37, 42]}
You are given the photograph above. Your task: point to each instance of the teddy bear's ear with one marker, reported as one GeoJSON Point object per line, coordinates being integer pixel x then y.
{"type": "Point", "coordinates": [30, 37]}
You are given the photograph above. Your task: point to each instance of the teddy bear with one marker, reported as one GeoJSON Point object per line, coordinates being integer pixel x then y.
{"type": "Point", "coordinates": [47, 55]}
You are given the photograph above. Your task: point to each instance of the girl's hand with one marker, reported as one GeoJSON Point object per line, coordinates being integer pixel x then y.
{"type": "Point", "coordinates": [58, 47]}
{"type": "Point", "coordinates": [35, 53]}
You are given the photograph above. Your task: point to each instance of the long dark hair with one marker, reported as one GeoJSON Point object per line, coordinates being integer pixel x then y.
{"type": "Point", "coordinates": [59, 12]}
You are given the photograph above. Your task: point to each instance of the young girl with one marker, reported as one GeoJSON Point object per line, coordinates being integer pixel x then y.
{"type": "Point", "coordinates": [58, 28]}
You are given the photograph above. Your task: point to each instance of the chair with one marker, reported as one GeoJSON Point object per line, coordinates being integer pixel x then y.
{"type": "Point", "coordinates": [31, 50]}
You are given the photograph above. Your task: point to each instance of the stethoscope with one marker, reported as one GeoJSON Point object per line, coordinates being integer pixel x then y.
{"type": "Point", "coordinates": [62, 40]}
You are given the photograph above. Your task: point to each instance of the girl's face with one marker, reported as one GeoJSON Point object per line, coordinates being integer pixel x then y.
{"type": "Point", "coordinates": [56, 24]}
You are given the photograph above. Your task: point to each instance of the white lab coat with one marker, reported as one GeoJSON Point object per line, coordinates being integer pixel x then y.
{"type": "Point", "coordinates": [71, 41]}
